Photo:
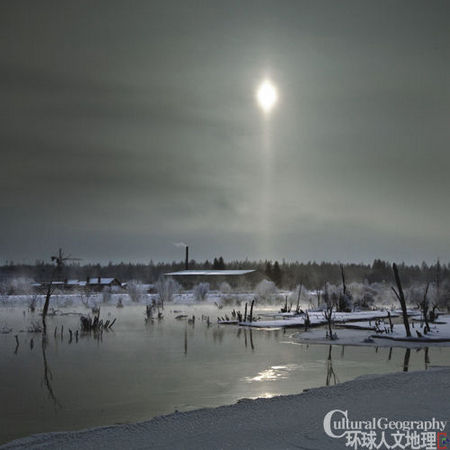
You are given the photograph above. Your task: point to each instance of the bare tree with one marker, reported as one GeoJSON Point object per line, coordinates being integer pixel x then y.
{"type": "Point", "coordinates": [401, 299]}
{"type": "Point", "coordinates": [328, 314]}
{"type": "Point", "coordinates": [424, 306]}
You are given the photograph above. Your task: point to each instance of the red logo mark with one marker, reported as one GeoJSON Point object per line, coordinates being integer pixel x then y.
{"type": "Point", "coordinates": [442, 441]}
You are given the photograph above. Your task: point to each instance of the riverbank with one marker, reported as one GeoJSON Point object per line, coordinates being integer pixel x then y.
{"type": "Point", "coordinates": [364, 334]}
{"type": "Point", "coordinates": [293, 421]}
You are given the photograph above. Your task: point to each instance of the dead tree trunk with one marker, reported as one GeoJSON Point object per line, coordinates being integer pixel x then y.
{"type": "Point", "coordinates": [433, 313]}
{"type": "Point", "coordinates": [251, 310]}
{"type": "Point", "coordinates": [307, 321]}
{"type": "Point", "coordinates": [45, 310]}
{"type": "Point", "coordinates": [298, 298]}
{"type": "Point", "coordinates": [329, 319]}
{"type": "Point", "coordinates": [391, 326]}
{"type": "Point", "coordinates": [328, 314]}
{"type": "Point", "coordinates": [401, 298]}
{"type": "Point", "coordinates": [424, 307]}
{"type": "Point", "coordinates": [344, 286]}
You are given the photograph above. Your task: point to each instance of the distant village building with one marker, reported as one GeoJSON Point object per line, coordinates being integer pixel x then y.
{"type": "Point", "coordinates": [99, 282]}
{"type": "Point", "coordinates": [91, 283]}
{"type": "Point", "coordinates": [242, 278]}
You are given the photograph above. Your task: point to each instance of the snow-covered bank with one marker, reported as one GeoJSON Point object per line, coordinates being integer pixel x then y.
{"type": "Point", "coordinates": [363, 334]}
{"type": "Point", "coordinates": [294, 421]}
{"type": "Point", "coordinates": [317, 318]}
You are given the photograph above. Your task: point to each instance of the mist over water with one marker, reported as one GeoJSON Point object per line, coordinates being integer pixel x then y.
{"type": "Point", "coordinates": [138, 370]}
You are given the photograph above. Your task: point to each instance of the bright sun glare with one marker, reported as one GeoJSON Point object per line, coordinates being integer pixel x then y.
{"type": "Point", "coordinates": [267, 95]}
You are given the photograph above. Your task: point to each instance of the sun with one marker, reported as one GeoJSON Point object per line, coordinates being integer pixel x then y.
{"type": "Point", "coordinates": [267, 95]}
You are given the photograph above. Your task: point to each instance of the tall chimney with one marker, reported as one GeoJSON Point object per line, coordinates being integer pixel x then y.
{"type": "Point", "coordinates": [186, 263]}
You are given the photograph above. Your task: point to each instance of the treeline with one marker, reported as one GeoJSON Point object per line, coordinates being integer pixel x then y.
{"type": "Point", "coordinates": [285, 274]}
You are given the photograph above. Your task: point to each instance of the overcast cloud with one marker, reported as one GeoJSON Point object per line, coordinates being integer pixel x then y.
{"type": "Point", "coordinates": [127, 126]}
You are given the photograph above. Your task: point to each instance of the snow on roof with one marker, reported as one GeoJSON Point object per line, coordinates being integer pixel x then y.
{"type": "Point", "coordinates": [92, 280]}
{"type": "Point", "coordinates": [95, 280]}
{"type": "Point", "coordinates": [208, 273]}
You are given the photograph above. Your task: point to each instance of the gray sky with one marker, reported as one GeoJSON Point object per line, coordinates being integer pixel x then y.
{"type": "Point", "coordinates": [127, 126]}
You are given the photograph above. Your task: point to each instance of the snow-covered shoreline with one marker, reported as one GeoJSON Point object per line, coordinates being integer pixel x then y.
{"type": "Point", "coordinates": [363, 334]}
{"type": "Point", "coordinates": [294, 421]}
{"type": "Point", "coordinates": [317, 318]}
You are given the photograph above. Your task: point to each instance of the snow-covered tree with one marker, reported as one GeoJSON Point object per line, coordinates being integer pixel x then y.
{"type": "Point", "coordinates": [265, 291]}
{"type": "Point", "coordinates": [166, 288]}
{"type": "Point", "coordinates": [364, 295]}
{"type": "Point", "coordinates": [21, 285]}
{"type": "Point", "coordinates": [136, 291]}
{"type": "Point", "coordinates": [201, 292]}
{"type": "Point", "coordinates": [225, 287]}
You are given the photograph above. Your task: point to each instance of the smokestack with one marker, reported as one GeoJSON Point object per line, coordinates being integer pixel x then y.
{"type": "Point", "coordinates": [186, 263]}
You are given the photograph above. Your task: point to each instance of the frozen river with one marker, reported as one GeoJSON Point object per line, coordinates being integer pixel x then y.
{"type": "Point", "coordinates": [140, 370]}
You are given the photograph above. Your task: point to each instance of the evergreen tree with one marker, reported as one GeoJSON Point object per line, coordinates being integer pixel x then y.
{"type": "Point", "coordinates": [276, 274]}
{"type": "Point", "coordinates": [268, 270]}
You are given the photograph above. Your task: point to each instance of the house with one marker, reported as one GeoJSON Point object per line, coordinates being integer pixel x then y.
{"type": "Point", "coordinates": [100, 283]}
{"type": "Point", "coordinates": [91, 283]}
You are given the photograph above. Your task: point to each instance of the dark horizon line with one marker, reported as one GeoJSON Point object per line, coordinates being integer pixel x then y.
{"type": "Point", "coordinates": [228, 262]}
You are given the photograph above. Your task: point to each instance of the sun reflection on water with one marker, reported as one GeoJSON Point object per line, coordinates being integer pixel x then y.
{"type": "Point", "coordinates": [273, 373]}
